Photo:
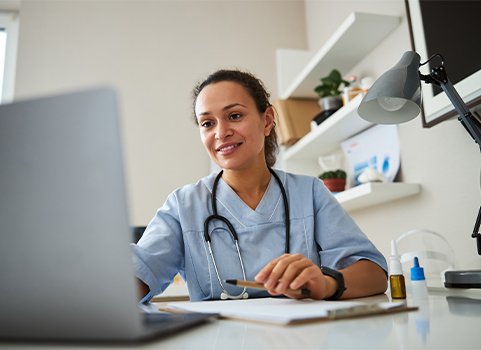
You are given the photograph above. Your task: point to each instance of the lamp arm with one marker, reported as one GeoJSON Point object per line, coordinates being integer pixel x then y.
{"type": "Point", "coordinates": [466, 118]}
{"type": "Point", "coordinates": [472, 125]}
{"type": "Point", "coordinates": [476, 234]}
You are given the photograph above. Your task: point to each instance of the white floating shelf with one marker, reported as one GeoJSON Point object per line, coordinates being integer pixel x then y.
{"type": "Point", "coordinates": [327, 136]}
{"type": "Point", "coordinates": [299, 72]}
{"type": "Point", "coordinates": [374, 193]}
{"type": "Point", "coordinates": [359, 34]}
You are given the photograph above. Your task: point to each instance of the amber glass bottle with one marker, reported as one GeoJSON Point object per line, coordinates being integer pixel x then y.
{"type": "Point", "coordinates": [396, 278]}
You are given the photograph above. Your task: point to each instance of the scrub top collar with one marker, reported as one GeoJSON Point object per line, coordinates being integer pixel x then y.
{"type": "Point", "coordinates": [269, 208]}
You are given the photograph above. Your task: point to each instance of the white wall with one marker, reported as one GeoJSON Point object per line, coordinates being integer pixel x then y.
{"type": "Point", "coordinates": [153, 52]}
{"type": "Point", "coordinates": [443, 159]}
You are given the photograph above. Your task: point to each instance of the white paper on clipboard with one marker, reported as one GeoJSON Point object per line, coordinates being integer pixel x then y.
{"type": "Point", "coordinates": [377, 148]}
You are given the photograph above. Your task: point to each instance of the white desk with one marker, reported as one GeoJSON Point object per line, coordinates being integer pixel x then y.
{"type": "Point", "coordinates": [448, 320]}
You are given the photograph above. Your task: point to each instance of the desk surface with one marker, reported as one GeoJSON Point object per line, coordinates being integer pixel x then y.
{"type": "Point", "coordinates": [447, 320]}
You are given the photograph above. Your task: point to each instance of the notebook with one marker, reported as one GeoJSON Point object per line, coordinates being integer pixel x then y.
{"type": "Point", "coordinates": [285, 311]}
{"type": "Point", "coordinates": [66, 271]}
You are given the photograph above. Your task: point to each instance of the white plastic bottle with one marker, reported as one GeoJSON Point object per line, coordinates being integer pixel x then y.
{"type": "Point", "coordinates": [418, 281]}
{"type": "Point", "coordinates": [396, 278]}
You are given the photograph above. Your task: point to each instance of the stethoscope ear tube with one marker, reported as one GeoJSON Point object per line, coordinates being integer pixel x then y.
{"type": "Point", "coordinates": [225, 294]}
{"type": "Point", "coordinates": [215, 216]}
{"type": "Point", "coordinates": [287, 215]}
{"type": "Point", "coordinates": [225, 221]}
{"type": "Point", "coordinates": [206, 229]}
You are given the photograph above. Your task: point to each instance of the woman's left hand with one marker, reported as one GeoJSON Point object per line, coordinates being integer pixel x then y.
{"type": "Point", "coordinates": [295, 271]}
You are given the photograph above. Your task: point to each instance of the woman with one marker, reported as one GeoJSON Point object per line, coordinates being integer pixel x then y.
{"type": "Point", "coordinates": [299, 239]}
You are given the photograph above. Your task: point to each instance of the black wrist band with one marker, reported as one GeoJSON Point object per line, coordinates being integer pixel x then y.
{"type": "Point", "coordinates": [340, 281]}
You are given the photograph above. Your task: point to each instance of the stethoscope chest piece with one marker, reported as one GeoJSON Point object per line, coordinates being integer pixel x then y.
{"type": "Point", "coordinates": [225, 295]}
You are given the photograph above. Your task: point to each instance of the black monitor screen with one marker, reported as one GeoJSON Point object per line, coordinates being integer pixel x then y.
{"type": "Point", "coordinates": [453, 29]}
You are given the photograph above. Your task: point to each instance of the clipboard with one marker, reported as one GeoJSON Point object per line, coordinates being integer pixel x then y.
{"type": "Point", "coordinates": [284, 311]}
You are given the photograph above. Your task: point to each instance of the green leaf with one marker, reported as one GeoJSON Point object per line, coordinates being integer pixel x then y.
{"type": "Point", "coordinates": [335, 75]}
{"type": "Point", "coordinates": [340, 174]}
{"type": "Point", "coordinates": [336, 174]}
{"type": "Point", "coordinates": [330, 85]}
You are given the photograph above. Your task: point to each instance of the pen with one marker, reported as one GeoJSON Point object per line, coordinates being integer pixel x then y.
{"type": "Point", "coordinates": [256, 285]}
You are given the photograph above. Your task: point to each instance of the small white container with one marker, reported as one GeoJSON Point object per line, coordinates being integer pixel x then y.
{"type": "Point", "coordinates": [419, 287]}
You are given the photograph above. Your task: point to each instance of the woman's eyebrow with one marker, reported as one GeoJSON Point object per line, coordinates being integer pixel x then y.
{"type": "Point", "coordinates": [204, 113]}
{"type": "Point", "coordinates": [232, 105]}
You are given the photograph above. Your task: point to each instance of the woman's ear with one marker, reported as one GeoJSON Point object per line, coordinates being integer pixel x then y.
{"type": "Point", "coordinates": [270, 120]}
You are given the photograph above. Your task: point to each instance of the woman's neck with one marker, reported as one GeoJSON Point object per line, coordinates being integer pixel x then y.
{"type": "Point", "coordinates": [250, 184]}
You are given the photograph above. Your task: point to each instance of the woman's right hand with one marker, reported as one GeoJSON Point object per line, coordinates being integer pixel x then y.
{"type": "Point", "coordinates": [295, 271]}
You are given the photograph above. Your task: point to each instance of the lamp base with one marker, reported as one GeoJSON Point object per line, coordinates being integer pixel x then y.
{"type": "Point", "coordinates": [462, 279]}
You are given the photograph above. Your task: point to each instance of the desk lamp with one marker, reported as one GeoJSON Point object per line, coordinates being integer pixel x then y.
{"type": "Point", "coordinates": [396, 98]}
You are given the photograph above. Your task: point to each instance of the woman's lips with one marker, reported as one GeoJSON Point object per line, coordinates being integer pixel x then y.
{"type": "Point", "coordinates": [226, 149]}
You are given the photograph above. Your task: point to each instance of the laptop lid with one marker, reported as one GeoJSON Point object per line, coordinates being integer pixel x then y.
{"type": "Point", "coordinates": [65, 264]}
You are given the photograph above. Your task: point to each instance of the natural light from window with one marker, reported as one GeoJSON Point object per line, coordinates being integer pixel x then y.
{"type": "Point", "coordinates": [3, 47]}
{"type": "Point", "coordinates": [8, 54]}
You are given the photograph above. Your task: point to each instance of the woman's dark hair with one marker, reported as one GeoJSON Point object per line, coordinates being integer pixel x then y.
{"type": "Point", "coordinates": [256, 90]}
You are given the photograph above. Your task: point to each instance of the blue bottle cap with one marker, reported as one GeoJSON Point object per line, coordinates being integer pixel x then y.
{"type": "Point", "coordinates": [417, 272]}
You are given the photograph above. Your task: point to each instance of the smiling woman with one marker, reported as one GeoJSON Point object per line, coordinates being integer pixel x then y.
{"type": "Point", "coordinates": [249, 221]}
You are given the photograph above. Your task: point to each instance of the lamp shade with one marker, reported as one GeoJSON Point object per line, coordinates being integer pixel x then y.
{"type": "Point", "coordinates": [396, 96]}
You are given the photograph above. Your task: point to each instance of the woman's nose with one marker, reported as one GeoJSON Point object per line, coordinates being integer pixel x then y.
{"type": "Point", "coordinates": [222, 131]}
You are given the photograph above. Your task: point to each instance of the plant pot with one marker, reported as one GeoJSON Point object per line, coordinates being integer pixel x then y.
{"type": "Point", "coordinates": [335, 185]}
{"type": "Point", "coordinates": [329, 105]}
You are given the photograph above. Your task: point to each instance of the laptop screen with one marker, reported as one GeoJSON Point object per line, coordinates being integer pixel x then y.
{"type": "Point", "coordinates": [65, 262]}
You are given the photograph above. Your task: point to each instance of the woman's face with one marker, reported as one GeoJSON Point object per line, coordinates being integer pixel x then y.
{"type": "Point", "coordinates": [231, 128]}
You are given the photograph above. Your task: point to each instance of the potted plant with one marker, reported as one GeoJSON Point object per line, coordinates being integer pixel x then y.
{"type": "Point", "coordinates": [334, 180]}
{"type": "Point", "coordinates": [329, 92]}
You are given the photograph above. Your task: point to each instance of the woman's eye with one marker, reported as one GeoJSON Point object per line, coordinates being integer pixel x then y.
{"type": "Point", "coordinates": [235, 116]}
{"type": "Point", "coordinates": [206, 124]}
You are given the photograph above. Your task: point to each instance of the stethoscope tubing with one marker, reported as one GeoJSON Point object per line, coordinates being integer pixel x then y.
{"type": "Point", "coordinates": [215, 216]}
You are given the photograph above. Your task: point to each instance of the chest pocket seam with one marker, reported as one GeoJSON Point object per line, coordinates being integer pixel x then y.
{"type": "Point", "coordinates": [308, 248]}
{"type": "Point", "coordinates": [195, 271]}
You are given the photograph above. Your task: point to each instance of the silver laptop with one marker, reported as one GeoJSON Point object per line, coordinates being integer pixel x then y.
{"type": "Point", "coordinates": [65, 265]}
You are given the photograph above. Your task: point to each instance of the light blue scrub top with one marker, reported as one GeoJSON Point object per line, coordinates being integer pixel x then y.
{"type": "Point", "coordinates": [174, 240]}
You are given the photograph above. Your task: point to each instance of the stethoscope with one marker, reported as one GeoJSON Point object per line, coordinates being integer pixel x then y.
{"type": "Point", "coordinates": [243, 295]}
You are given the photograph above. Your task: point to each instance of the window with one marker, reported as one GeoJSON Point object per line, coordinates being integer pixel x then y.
{"type": "Point", "coordinates": [8, 54]}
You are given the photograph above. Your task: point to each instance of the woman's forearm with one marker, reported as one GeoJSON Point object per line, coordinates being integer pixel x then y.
{"type": "Point", "coordinates": [363, 278]}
